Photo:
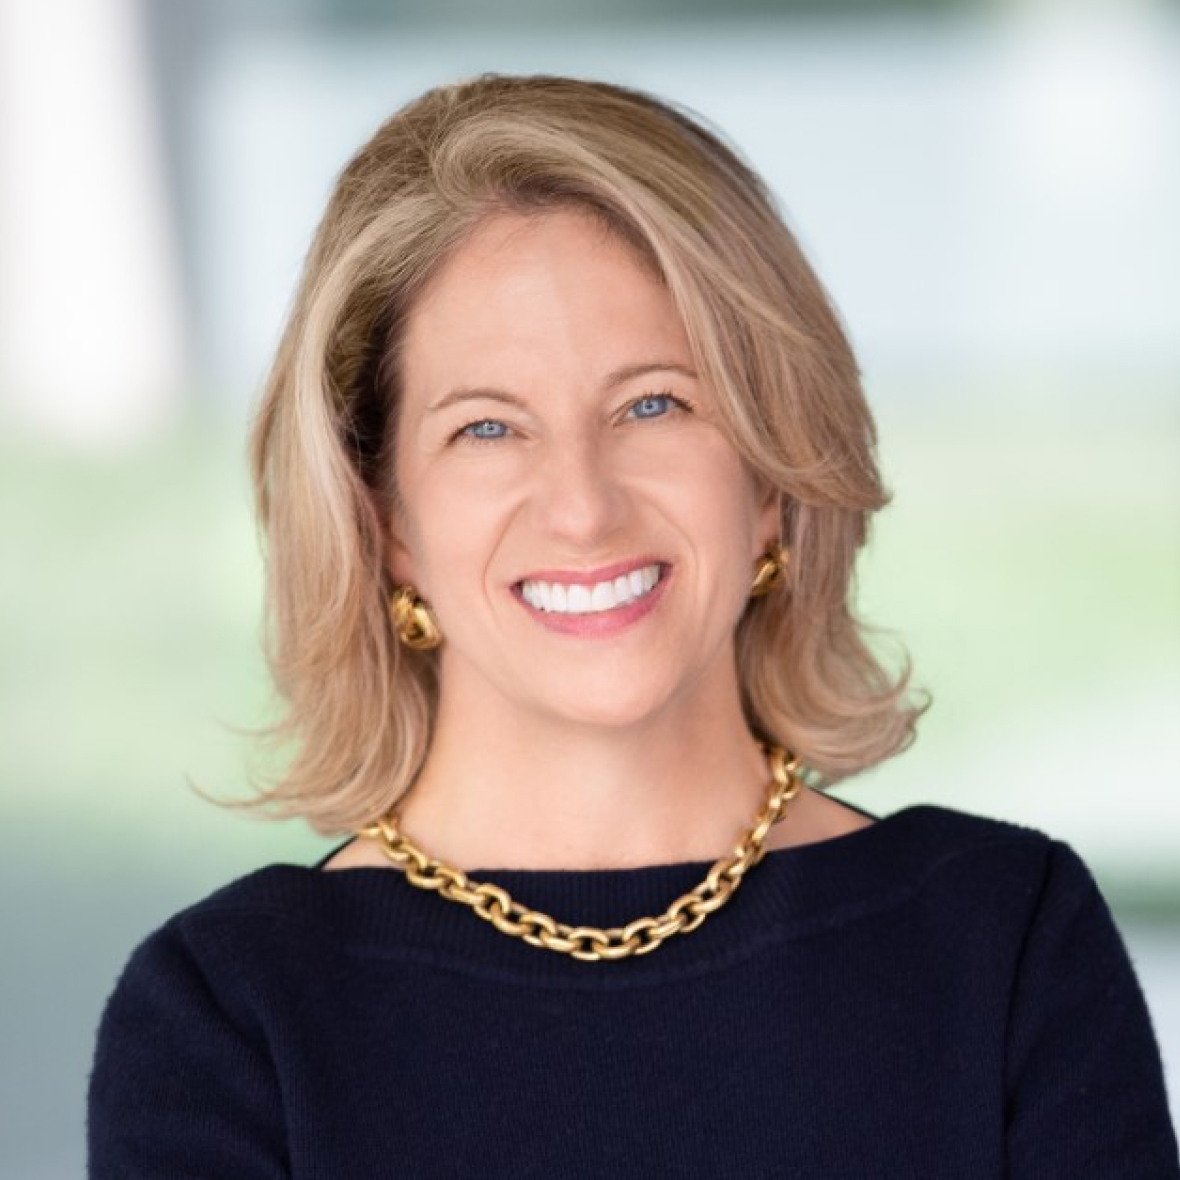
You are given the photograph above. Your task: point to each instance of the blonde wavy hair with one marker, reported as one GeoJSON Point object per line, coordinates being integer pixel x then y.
{"type": "Point", "coordinates": [358, 707]}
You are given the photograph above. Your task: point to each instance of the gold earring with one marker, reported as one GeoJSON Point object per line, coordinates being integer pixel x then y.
{"type": "Point", "coordinates": [770, 571]}
{"type": "Point", "coordinates": [413, 620]}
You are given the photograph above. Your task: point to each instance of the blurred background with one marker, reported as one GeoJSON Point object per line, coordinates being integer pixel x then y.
{"type": "Point", "coordinates": [991, 191]}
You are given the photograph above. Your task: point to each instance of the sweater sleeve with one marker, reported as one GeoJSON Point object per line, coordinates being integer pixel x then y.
{"type": "Point", "coordinates": [182, 1087]}
{"type": "Point", "coordinates": [1085, 1097]}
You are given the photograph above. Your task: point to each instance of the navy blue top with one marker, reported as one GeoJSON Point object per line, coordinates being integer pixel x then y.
{"type": "Point", "coordinates": [934, 995]}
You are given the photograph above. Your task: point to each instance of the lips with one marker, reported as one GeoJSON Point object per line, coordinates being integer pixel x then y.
{"type": "Point", "coordinates": [570, 597]}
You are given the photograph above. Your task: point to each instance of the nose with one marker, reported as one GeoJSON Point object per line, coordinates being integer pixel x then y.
{"type": "Point", "coordinates": [579, 498]}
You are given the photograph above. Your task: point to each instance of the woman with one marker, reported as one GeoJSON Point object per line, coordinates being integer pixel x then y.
{"type": "Point", "coordinates": [563, 466]}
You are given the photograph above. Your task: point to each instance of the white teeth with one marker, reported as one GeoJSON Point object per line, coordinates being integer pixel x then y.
{"type": "Point", "coordinates": [576, 598]}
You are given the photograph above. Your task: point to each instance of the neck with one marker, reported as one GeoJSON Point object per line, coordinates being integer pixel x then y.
{"type": "Point", "coordinates": [500, 790]}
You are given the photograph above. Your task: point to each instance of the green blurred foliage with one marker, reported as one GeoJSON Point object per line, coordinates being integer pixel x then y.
{"type": "Point", "coordinates": [1030, 562]}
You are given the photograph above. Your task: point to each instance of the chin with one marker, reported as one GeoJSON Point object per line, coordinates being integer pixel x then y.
{"type": "Point", "coordinates": [609, 707]}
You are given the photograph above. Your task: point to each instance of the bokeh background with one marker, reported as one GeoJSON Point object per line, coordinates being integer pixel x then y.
{"type": "Point", "coordinates": [991, 192]}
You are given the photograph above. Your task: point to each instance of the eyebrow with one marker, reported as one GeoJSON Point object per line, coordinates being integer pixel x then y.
{"type": "Point", "coordinates": [614, 379]}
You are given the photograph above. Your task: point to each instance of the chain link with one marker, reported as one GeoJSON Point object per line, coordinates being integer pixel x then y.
{"type": "Point", "coordinates": [590, 943]}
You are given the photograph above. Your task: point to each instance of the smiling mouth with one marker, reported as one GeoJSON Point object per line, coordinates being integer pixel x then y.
{"type": "Point", "coordinates": [586, 598]}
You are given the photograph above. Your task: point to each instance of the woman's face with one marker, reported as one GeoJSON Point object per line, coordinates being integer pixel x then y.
{"type": "Point", "coordinates": [570, 506]}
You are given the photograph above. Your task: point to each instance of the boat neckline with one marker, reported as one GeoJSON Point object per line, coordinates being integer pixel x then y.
{"type": "Point", "coordinates": [831, 845]}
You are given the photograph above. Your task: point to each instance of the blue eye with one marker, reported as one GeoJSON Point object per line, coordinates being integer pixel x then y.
{"type": "Point", "coordinates": [487, 430]}
{"type": "Point", "coordinates": [654, 405]}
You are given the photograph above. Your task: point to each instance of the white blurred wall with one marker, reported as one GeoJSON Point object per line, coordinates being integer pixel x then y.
{"type": "Point", "coordinates": [992, 195]}
{"type": "Point", "coordinates": [995, 195]}
{"type": "Point", "coordinates": [90, 320]}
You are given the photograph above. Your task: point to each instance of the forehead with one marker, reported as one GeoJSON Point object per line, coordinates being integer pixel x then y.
{"type": "Point", "coordinates": [530, 292]}
{"type": "Point", "coordinates": [501, 237]}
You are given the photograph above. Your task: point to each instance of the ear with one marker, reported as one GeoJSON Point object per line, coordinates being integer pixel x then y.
{"type": "Point", "coordinates": [396, 553]}
{"type": "Point", "coordinates": [399, 557]}
{"type": "Point", "coordinates": [770, 516]}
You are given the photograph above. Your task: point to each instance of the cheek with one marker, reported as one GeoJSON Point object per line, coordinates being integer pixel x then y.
{"type": "Point", "coordinates": [454, 521]}
{"type": "Point", "coordinates": [720, 517]}
{"type": "Point", "coordinates": [733, 503]}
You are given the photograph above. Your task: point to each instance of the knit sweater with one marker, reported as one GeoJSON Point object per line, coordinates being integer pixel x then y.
{"type": "Point", "coordinates": [933, 995]}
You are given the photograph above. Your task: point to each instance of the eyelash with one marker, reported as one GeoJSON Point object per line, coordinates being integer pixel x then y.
{"type": "Point", "coordinates": [678, 403]}
{"type": "Point", "coordinates": [465, 435]}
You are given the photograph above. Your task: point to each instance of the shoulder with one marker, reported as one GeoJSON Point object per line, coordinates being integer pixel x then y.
{"type": "Point", "coordinates": [961, 867]}
{"type": "Point", "coordinates": [946, 833]}
{"type": "Point", "coordinates": [213, 948]}
{"type": "Point", "coordinates": [273, 895]}
{"type": "Point", "coordinates": [958, 841]}
{"type": "Point", "coordinates": [993, 899]}
{"type": "Point", "coordinates": [183, 1066]}
{"type": "Point", "coordinates": [1016, 918]}
{"type": "Point", "coordinates": [925, 838]}
{"type": "Point", "coordinates": [213, 977]}
{"type": "Point", "coordinates": [1001, 883]}
{"type": "Point", "coordinates": [950, 835]}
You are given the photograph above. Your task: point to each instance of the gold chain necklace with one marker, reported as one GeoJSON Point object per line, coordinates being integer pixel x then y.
{"type": "Point", "coordinates": [686, 913]}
